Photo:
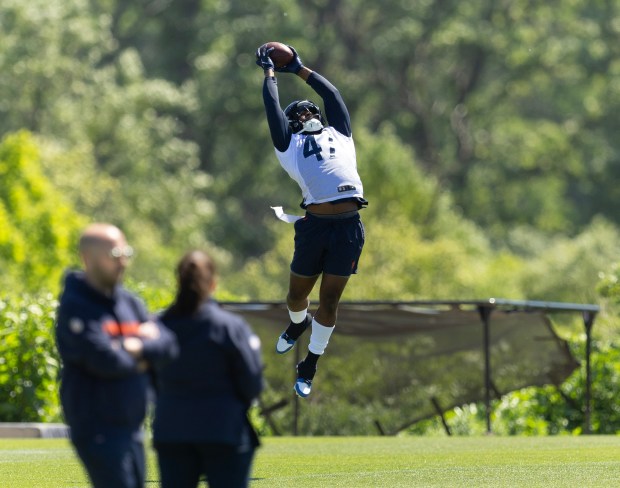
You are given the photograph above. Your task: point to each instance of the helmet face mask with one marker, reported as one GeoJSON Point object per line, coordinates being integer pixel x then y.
{"type": "Point", "coordinates": [297, 112]}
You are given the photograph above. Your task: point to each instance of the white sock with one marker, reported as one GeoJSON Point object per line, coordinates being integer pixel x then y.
{"type": "Point", "coordinates": [319, 337]}
{"type": "Point", "coordinates": [298, 317]}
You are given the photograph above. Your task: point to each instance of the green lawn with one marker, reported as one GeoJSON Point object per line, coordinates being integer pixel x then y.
{"type": "Point", "coordinates": [367, 462]}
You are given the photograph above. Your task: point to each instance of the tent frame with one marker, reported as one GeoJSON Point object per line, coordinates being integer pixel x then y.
{"type": "Point", "coordinates": [485, 308]}
{"type": "Point", "coordinates": [588, 313]}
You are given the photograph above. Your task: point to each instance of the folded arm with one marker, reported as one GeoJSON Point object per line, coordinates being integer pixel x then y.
{"type": "Point", "coordinates": [83, 342]}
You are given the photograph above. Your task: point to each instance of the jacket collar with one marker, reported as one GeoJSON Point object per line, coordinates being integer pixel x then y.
{"type": "Point", "coordinates": [77, 284]}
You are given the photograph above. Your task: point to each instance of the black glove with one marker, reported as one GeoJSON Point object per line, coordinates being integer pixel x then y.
{"type": "Point", "coordinates": [294, 66]}
{"type": "Point", "coordinates": [262, 58]}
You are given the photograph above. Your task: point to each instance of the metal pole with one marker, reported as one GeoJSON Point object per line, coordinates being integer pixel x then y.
{"type": "Point", "coordinates": [588, 320]}
{"type": "Point", "coordinates": [440, 412]}
{"type": "Point", "coordinates": [296, 398]}
{"type": "Point", "coordinates": [485, 314]}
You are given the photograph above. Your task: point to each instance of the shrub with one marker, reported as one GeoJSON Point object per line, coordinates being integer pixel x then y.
{"type": "Point", "coordinates": [29, 361]}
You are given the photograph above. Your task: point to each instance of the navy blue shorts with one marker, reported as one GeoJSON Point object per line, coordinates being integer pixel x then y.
{"type": "Point", "coordinates": [327, 244]}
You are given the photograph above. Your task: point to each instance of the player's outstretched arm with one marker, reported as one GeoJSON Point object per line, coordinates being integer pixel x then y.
{"type": "Point", "coordinates": [278, 123]}
{"type": "Point", "coordinates": [335, 109]}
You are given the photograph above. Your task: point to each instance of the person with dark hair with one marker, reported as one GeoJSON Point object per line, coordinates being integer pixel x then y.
{"type": "Point", "coordinates": [329, 238]}
{"type": "Point", "coordinates": [201, 426]}
{"type": "Point", "coordinates": [108, 346]}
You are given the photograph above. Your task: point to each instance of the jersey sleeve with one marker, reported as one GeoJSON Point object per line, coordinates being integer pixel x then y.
{"type": "Point", "coordinates": [278, 123]}
{"type": "Point", "coordinates": [335, 110]}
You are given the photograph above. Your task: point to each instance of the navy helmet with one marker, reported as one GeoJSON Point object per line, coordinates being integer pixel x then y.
{"type": "Point", "coordinates": [296, 108]}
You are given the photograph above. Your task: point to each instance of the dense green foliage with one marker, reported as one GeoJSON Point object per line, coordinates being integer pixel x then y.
{"type": "Point", "coordinates": [29, 369]}
{"type": "Point", "coordinates": [28, 360]}
{"type": "Point", "coordinates": [486, 135]}
{"type": "Point", "coordinates": [506, 106]}
{"type": "Point", "coordinates": [547, 410]}
{"type": "Point", "coordinates": [510, 104]}
{"type": "Point", "coordinates": [112, 138]}
{"type": "Point", "coordinates": [551, 410]}
{"type": "Point", "coordinates": [38, 225]}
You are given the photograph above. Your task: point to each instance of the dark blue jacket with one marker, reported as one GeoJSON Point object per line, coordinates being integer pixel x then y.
{"type": "Point", "coordinates": [102, 392]}
{"type": "Point", "coordinates": [203, 395]}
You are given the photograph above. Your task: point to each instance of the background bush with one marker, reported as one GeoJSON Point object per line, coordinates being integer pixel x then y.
{"type": "Point", "coordinates": [29, 362]}
{"type": "Point", "coordinates": [489, 156]}
{"type": "Point", "coordinates": [29, 367]}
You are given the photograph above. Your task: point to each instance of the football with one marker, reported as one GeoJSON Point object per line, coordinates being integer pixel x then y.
{"type": "Point", "coordinates": [281, 54]}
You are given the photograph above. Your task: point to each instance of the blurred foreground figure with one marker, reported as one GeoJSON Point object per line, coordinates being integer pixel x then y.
{"type": "Point", "coordinates": [108, 345]}
{"type": "Point", "coordinates": [201, 426]}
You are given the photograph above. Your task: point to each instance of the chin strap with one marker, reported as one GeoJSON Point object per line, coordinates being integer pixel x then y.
{"type": "Point", "coordinates": [312, 125]}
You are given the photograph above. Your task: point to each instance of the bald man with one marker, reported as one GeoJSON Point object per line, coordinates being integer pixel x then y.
{"type": "Point", "coordinates": [108, 345]}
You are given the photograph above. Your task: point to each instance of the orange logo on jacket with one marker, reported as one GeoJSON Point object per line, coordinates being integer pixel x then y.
{"type": "Point", "coordinates": [115, 329]}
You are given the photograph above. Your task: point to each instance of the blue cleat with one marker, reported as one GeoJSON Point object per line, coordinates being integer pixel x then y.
{"type": "Point", "coordinates": [305, 375]}
{"type": "Point", "coordinates": [303, 387]}
{"type": "Point", "coordinates": [285, 341]}
{"type": "Point", "coordinates": [284, 344]}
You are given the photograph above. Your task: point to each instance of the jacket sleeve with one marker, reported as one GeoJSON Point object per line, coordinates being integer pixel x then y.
{"type": "Point", "coordinates": [83, 342]}
{"type": "Point", "coordinates": [246, 362]}
{"type": "Point", "coordinates": [159, 352]}
{"type": "Point", "coordinates": [278, 123]}
{"type": "Point", "coordinates": [335, 109]}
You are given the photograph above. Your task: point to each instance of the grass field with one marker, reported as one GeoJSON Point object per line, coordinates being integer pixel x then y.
{"type": "Point", "coordinates": [367, 462]}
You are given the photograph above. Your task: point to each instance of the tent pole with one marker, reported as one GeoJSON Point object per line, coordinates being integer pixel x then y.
{"type": "Point", "coordinates": [295, 397]}
{"type": "Point", "coordinates": [588, 320]}
{"type": "Point", "coordinates": [485, 314]}
{"type": "Point", "coordinates": [440, 412]}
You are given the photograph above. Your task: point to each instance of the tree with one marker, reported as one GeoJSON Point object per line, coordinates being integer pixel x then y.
{"type": "Point", "coordinates": [417, 244]}
{"type": "Point", "coordinates": [38, 226]}
{"type": "Point", "coordinates": [114, 139]}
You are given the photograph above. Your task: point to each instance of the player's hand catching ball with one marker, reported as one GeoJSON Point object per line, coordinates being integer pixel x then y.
{"type": "Point", "coordinates": [263, 59]}
{"type": "Point", "coordinates": [293, 66]}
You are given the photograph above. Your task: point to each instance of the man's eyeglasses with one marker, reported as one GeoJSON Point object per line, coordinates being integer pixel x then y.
{"type": "Point", "coordinates": [121, 252]}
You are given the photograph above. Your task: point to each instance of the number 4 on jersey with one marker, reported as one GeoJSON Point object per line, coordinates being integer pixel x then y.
{"type": "Point", "coordinates": [311, 148]}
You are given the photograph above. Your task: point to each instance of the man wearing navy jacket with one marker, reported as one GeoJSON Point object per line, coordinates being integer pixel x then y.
{"type": "Point", "coordinates": [108, 345]}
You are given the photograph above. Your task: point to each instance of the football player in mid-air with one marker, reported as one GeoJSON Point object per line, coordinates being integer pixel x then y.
{"type": "Point", "coordinates": [329, 238]}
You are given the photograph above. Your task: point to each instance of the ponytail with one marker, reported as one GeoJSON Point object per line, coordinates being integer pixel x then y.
{"type": "Point", "coordinates": [195, 277]}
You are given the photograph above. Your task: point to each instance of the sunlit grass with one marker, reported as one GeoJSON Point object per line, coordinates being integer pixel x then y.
{"type": "Point", "coordinates": [366, 461]}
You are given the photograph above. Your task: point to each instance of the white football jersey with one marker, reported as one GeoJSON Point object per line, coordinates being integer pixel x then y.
{"type": "Point", "coordinates": [323, 165]}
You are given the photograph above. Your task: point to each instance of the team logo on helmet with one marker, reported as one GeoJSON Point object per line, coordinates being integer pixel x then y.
{"type": "Point", "coordinates": [296, 109]}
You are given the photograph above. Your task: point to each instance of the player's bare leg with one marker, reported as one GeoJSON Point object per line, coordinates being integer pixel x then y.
{"type": "Point", "coordinates": [297, 303]}
{"type": "Point", "coordinates": [298, 290]}
{"type": "Point", "coordinates": [332, 287]}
